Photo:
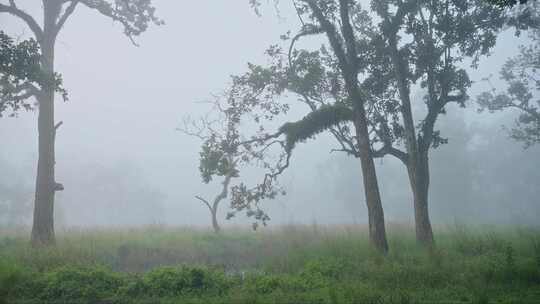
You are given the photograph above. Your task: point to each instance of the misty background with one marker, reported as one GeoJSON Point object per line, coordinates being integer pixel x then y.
{"type": "Point", "coordinates": [123, 163]}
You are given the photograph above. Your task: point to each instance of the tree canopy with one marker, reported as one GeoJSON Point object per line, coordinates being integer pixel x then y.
{"type": "Point", "coordinates": [507, 3]}
{"type": "Point", "coordinates": [20, 74]}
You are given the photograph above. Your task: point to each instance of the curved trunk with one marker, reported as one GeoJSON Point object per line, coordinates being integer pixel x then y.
{"type": "Point", "coordinates": [215, 224]}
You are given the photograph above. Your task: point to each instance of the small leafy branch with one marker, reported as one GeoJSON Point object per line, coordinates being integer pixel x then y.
{"type": "Point", "coordinates": [523, 84]}
{"type": "Point", "coordinates": [21, 76]}
{"type": "Point", "coordinates": [226, 150]}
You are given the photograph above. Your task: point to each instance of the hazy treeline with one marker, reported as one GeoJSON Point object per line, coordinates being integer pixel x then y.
{"type": "Point", "coordinates": [496, 178]}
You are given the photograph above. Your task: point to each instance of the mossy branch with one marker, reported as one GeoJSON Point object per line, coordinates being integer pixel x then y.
{"type": "Point", "coordinates": [314, 123]}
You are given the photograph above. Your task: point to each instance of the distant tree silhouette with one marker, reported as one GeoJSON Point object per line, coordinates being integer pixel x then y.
{"type": "Point", "coordinates": [521, 74]}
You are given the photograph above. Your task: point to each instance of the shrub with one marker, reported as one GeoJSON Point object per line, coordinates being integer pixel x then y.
{"type": "Point", "coordinates": [171, 281]}
{"type": "Point", "coordinates": [270, 283]}
{"type": "Point", "coordinates": [10, 277]}
{"type": "Point", "coordinates": [327, 268]}
{"type": "Point", "coordinates": [79, 284]}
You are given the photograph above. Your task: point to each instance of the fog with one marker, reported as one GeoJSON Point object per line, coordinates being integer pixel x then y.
{"type": "Point", "coordinates": [123, 163]}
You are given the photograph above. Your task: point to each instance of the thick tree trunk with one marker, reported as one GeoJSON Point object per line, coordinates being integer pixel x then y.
{"type": "Point", "coordinates": [377, 231]}
{"type": "Point", "coordinates": [348, 63]}
{"type": "Point", "coordinates": [43, 223]}
{"type": "Point", "coordinates": [43, 227]}
{"type": "Point", "coordinates": [419, 180]}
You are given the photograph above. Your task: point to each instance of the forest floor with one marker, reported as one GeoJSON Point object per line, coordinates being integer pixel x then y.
{"type": "Point", "coordinates": [291, 264]}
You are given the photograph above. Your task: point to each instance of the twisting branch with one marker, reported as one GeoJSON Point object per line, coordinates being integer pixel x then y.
{"type": "Point", "coordinates": [307, 30]}
{"type": "Point", "coordinates": [29, 20]}
{"type": "Point", "coordinates": [389, 150]}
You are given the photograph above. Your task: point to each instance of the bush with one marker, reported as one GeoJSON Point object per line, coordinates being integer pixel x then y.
{"type": "Point", "coordinates": [79, 284]}
{"type": "Point", "coordinates": [467, 267]}
{"type": "Point", "coordinates": [171, 281]}
{"type": "Point", "coordinates": [327, 268]}
{"type": "Point", "coordinates": [11, 276]}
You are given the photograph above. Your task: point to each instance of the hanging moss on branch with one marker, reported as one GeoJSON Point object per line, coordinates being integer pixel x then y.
{"type": "Point", "coordinates": [315, 122]}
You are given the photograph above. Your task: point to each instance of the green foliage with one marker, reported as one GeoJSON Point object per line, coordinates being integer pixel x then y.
{"type": "Point", "coordinates": [214, 160]}
{"type": "Point", "coordinates": [19, 60]}
{"type": "Point", "coordinates": [134, 15]}
{"type": "Point", "coordinates": [21, 75]}
{"type": "Point", "coordinates": [536, 246]}
{"type": "Point", "coordinates": [80, 284]}
{"type": "Point", "coordinates": [171, 281]}
{"type": "Point", "coordinates": [291, 265]}
{"type": "Point", "coordinates": [519, 72]}
{"type": "Point", "coordinates": [268, 283]}
{"type": "Point", "coordinates": [314, 123]}
{"type": "Point", "coordinates": [11, 275]}
{"type": "Point", "coordinates": [327, 268]}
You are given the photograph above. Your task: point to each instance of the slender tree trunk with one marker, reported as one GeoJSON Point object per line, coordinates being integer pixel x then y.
{"type": "Point", "coordinates": [419, 178]}
{"type": "Point", "coordinates": [417, 162]}
{"type": "Point", "coordinates": [215, 223]}
{"type": "Point", "coordinates": [43, 223]}
{"type": "Point", "coordinates": [377, 231]}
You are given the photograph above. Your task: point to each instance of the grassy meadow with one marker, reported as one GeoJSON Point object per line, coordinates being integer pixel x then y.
{"type": "Point", "coordinates": [289, 264]}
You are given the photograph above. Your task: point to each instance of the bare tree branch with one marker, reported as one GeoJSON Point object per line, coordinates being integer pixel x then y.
{"type": "Point", "coordinates": [389, 150]}
{"type": "Point", "coordinates": [62, 20]}
{"type": "Point", "coordinates": [331, 32]}
{"type": "Point", "coordinates": [204, 201]}
{"type": "Point", "coordinates": [29, 20]}
{"type": "Point", "coordinates": [58, 125]}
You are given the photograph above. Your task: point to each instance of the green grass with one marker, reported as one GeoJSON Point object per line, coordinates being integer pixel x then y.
{"type": "Point", "coordinates": [292, 264]}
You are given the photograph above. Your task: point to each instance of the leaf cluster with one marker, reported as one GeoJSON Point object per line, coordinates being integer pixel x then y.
{"type": "Point", "coordinates": [134, 15]}
{"type": "Point", "coordinates": [21, 75]}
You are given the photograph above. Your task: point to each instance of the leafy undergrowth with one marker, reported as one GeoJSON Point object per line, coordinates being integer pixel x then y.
{"type": "Point", "coordinates": [290, 265]}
